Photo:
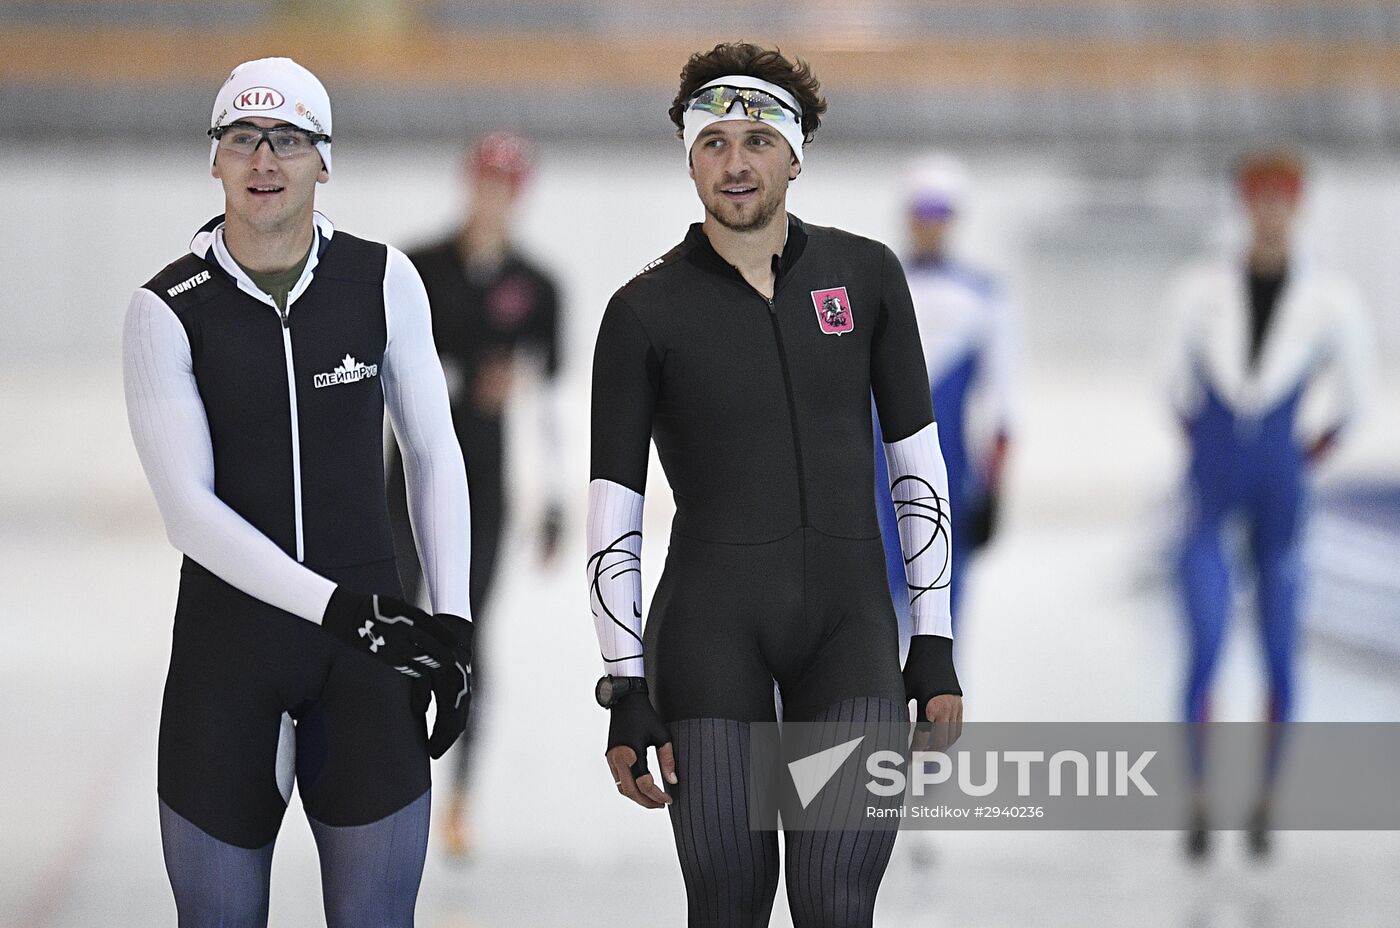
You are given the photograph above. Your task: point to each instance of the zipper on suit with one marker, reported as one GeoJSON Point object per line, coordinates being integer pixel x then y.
{"type": "Point", "coordinates": [285, 316]}
{"type": "Point", "coordinates": [791, 401]}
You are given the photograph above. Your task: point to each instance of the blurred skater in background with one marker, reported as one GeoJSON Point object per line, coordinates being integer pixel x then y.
{"type": "Point", "coordinates": [967, 330]}
{"type": "Point", "coordinates": [490, 306]}
{"type": "Point", "coordinates": [968, 333]}
{"type": "Point", "coordinates": [1267, 365]}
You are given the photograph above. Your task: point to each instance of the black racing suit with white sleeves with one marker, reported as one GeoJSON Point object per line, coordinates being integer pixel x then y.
{"type": "Point", "coordinates": [261, 433]}
{"type": "Point", "coordinates": [760, 412]}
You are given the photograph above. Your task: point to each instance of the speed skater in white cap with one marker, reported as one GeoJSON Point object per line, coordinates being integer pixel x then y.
{"type": "Point", "coordinates": [258, 369]}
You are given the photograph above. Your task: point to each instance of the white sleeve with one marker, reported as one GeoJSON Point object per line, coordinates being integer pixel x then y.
{"type": "Point", "coordinates": [1181, 381]}
{"type": "Point", "coordinates": [171, 434]}
{"type": "Point", "coordinates": [1001, 361]}
{"type": "Point", "coordinates": [919, 489]}
{"type": "Point", "coordinates": [1352, 362]}
{"type": "Point", "coordinates": [415, 393]}
{"type": "Point", "coordinates": [615, 575]}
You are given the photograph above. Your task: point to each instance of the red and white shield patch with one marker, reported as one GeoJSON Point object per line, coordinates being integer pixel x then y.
{"type": "Point", "coordinates": [833, 311]}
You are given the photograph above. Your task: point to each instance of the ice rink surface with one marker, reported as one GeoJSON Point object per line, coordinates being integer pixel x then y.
{"type": "Point", "coordinates": [1070, 617]}
{"type": "Point", "coordinates": [1068, 620]}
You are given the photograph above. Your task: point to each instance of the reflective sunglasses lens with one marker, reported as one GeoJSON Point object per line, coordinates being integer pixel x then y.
{"type": "Point", "coordinates": [760, 105]}
{"type": "Point", "coordinates": [714, 100]}
{"type": "Point", "coordinates": [757, 105]}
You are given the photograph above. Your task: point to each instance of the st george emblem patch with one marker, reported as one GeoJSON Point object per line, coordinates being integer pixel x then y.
{"type": "Point", "coordinates": [833, 311]}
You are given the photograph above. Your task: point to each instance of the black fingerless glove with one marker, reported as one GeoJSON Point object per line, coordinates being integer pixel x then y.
{"type": "Point", "coordinates": [635, 723]}
{"type": "Point", "coordinates": [928, 671]}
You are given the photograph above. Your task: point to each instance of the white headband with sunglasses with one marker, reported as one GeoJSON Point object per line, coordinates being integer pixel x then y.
{"type": "Point", "coordinates": [785, 118]}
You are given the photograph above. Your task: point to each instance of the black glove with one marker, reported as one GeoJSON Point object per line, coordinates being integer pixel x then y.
{"type": "Point", "coordinates": [387, 629]}
{"type": "Point", "coordinates": [434, 650]}
{"type": "Point", "coordinates": [452, 686]}
{"type": "Point", "coordinates": [636, 724]}
{"type": "Point", "coordinates": [928, 671]}
{"type": "Point", "coordinates": [982, 520]}
{"type": "Point", "coordinates": [551, 530]}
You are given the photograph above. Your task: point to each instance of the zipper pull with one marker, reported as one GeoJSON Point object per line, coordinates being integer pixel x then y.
{"type": "Point", "coordinates": [286, 318]}
{"type": "Point", "coordinates": [771, 308]}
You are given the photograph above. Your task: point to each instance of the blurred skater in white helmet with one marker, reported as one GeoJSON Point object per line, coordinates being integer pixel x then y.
{"type": "Point", "coordinates": [968, 332]}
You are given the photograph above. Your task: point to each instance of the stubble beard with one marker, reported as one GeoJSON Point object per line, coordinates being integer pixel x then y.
{"type": "Point", "coordinates": [732, 219]}
{"type": "Point", "coordinates": [273, 222]}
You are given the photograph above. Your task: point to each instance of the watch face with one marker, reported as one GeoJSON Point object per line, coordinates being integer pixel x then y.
{"type": "Point", "coordinates": [604, 692]}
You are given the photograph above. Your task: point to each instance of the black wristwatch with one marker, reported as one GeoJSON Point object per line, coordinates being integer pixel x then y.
{"type": "Point", "coordinates": [610, 689]}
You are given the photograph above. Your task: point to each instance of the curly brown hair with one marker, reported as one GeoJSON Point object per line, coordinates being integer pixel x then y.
{"type": "Point", "coordinates": [763, 63]}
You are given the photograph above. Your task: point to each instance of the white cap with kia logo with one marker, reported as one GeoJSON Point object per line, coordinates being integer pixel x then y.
{"type": "Point", "coordinates": [274, 88]}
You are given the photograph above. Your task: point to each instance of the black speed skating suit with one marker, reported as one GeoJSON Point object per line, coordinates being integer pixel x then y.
{"type": "Point", "coordinates": [760, 411]}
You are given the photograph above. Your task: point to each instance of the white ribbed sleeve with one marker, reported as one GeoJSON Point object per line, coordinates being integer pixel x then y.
{"type": "Point", "coordinates": [919, 488]}
{"type": "Point", "coordinates": [615, 575]}
{"type": "Point", "coordinates": [415, 395]}
{"type": "Point", "coordinates": [171, 434]}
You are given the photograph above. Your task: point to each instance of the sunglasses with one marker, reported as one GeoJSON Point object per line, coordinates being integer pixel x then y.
{"type": "Point", "coordinates": [284, 141]}
{"type": "Point", "coordinates": [758, 105]}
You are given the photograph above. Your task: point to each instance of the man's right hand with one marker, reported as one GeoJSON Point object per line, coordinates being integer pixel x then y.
{"type": "Point", "coordinates": [634, 727]}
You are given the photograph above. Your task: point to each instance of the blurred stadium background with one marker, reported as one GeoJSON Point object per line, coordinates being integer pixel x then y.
{"type": "Point", "coordinates": [1099, 135]}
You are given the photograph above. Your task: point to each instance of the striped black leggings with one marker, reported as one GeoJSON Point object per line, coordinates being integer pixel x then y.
{"type": "Point", "coordinates": [731, 868]}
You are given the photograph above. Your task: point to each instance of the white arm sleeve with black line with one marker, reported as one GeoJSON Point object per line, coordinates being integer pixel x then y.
{"type": "Point", "coordinates": [415, 395]}
{"type": "Point", "coordinates": [919, 489]}
{"type": "Point", "coordinates": [171, 434]}
{"type": "Point", "coordinates": [615, 575]}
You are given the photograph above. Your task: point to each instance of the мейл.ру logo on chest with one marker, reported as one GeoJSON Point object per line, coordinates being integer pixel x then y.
{"type": "Point", "coordinates": [348, 371]}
